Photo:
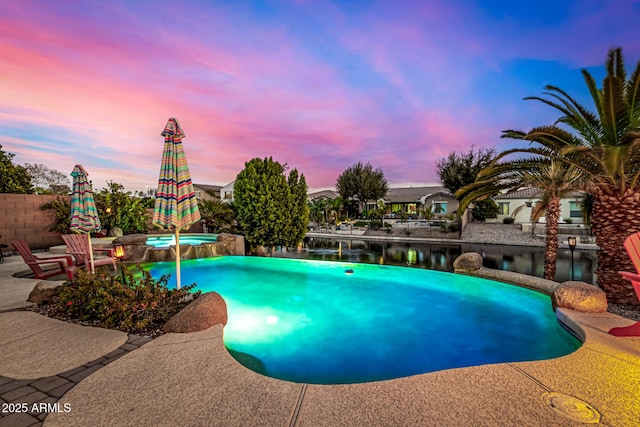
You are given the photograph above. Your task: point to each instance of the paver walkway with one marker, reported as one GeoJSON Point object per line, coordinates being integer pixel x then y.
{"type": "Point", "coordinates": [27, 402]}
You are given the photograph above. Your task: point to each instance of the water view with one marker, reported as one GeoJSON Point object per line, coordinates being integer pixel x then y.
{"type": "Point", "coordinates": [438, 256]}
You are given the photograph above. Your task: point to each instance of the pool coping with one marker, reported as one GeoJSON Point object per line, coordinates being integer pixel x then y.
{"type": "Point", "coordinates": [157, 384]}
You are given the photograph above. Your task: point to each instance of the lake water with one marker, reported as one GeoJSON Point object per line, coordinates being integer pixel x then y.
{"type": "Point", "coordinates": [437, 256]}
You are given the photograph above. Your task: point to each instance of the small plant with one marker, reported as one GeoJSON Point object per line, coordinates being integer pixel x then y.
{"type": "Point", "coordinates": [407, 232]}
{"type": "Point", "coordinates": [135, 303]}
{"type": "Point", "coordinates": [508, 220]}
{"type": "Point", "coordinates": [454, 227]}
{"type": "Point", "coordinates": [568, 220]}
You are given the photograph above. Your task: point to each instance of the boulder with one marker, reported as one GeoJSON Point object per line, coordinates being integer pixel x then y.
{"type": "Point", "coordinates": [469, 261]}
{"type": "Point", "coordinates": [579, 296]}
{"type": "Point", "coordinates": [135, 246]}
{"type": "Point", "coordinates": [43, 292]}
{"type": "Point", "coordinates": [115, 232]}
{"type": "Point", "coordinates": [131, 239]}
{"type": "Point", "coordinates": [230, 244]}
{"type": "Point", "coordinates": [207, 310]}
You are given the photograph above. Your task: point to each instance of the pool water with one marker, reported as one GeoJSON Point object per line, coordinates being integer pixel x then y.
{"type": "Point", "coordinates": [164, 241]}
{"type": "Point", "coordinates": [334, 323]}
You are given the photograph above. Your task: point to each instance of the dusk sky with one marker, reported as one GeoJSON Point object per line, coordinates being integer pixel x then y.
{"type": "Point", "coordinates": [319, 85]}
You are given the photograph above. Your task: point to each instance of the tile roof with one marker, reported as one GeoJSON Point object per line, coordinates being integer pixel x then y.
{"type": "Point", "coordinates": [531, 193]}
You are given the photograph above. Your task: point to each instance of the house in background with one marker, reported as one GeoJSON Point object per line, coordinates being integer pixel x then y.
{"type": "Point", "coordinates": [323, 194]}
{"type": "Point", "coordinates": [519, 204]}
{"type": "Point", "coordinates": [411, 201]}
{"type": "Point", "coordinates": [226, 192]}
{"type": "Point", "coordinates": [203, 191]}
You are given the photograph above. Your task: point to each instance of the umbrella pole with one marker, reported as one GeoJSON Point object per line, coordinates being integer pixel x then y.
{"type": "Point", "coordinates": [177, 258]}
{"type": "Point", "coordinates": [92, 267]}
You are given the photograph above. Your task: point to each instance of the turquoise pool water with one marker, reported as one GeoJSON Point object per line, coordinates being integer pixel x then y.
{"type": "Point", "coordinates": [164, 241]}
{"type": "Point", "coordinates": [316, 322]}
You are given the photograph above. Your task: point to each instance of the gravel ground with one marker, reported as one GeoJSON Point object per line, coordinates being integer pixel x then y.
{"type": "Point", "coordinates": [506, 234]}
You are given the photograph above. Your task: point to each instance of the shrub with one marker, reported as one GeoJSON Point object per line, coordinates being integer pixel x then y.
{"type": "Point", "coordinates": [363, 223]}
{"type": "Point", "coordinates": [454, 227]}
{"type": "Point", "coordinates": [141, 304]}
{"type": "Point", "coordinates": [61, 209]}
{"type": "Point", "coordinates": [508, 220]}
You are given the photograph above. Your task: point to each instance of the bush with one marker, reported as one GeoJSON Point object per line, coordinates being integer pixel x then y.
{"type": "Point", "coordinates": [139, 305]}
{"type": "Point", "coordinates": [454, 227]}
{"type": "Point", "coordinates": [62, 210]}
{"type": "Point", "coordinates": [363, 223]}
{"type": "Point", "coordinates": [508, 220]}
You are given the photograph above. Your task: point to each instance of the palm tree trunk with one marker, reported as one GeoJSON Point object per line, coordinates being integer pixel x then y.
{"type": "Point", "coordinates": [551, 252]}
{"type": "Point", "coordinates": [615, 217]}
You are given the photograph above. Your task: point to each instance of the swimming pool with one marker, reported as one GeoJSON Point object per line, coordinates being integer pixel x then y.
{"type": "Point", "coordinates": [166, 240]}
{"type": "Point", "coordinates": [315, 322]}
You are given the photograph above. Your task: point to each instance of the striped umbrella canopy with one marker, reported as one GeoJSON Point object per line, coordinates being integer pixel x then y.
{"type": "Point", "coordinates": [84, 215]}
{"type": "Point", "coordinates": [176, 207]}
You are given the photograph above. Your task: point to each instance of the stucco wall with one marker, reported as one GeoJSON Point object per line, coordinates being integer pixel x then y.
{"type": "Point", "coordinates": [22, 218]}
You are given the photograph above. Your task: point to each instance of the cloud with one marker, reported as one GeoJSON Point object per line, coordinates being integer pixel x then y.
{"type": "Point", "coordinates": [316, 85]}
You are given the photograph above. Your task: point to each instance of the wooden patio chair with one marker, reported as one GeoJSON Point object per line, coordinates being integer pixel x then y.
{"type": "Point", "coordinates": [78, 246]}
{"type": "Point", "coordinates": [35, 263]}
{"type": "Point", "coordinates": [632, 245]}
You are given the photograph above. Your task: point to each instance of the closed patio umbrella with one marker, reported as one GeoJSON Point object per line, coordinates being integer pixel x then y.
{"type": "Point", "coordinates": [176, 207]}
{"type": "Point", "coordinates": [84, 216]}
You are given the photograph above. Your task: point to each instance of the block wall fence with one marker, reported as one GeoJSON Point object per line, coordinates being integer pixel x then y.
{"type": "Point", "coordinates": [21, 218]}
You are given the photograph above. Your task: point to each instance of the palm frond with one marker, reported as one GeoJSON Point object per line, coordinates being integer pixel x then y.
{"type": "Point", "coordinates": [595, 93]}
{"type": "Point", "coordinates": [633, 98]}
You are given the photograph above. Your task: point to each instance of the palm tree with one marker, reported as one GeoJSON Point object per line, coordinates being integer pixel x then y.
{"type": "Point", "coordinates": [217, 214]}
{"type": "Point", "coordinates": [552, 177]}
{"type": "Point", "coordinates": [605, 146]}
{"type": "Point", "coordinates": [317, 209]}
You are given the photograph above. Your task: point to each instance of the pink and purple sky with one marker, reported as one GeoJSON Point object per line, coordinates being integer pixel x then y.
{"type": "Point", "coordinates": [319, 85]}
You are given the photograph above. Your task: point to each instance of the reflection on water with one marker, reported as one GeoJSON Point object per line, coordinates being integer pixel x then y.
{"type": "Point", "coordinates": [437, 256]}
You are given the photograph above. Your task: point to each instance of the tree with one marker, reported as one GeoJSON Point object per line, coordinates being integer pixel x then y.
{"type": "Point", "coordinates": [605, 146]}
{"type": "Point", "coordinates": [362, 183]}
{"type": "Point", "coordinates": [14, 178]}
{"type": "Point", "coordinates": [317, 209]}
{"type": "Point", "coordinates": [48, 181]}
{"type": "Point", "coordinates": [554, 178]}
{"type": "Point", "coordinates": [298, 209]}
{"type": "Point", "coordinates": [218, 216]}
{"type": "Point", "coordinates": [458, 169]}
{"type": "Point", "coordinates": [271, 210]}
{"type": "Point", "coordinates": [119, 208]}
{"type": "Point", "coordinates": [483, 209]}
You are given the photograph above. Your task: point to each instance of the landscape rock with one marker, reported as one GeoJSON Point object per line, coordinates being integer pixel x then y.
{"type": "Point", "coordinates": [207, 310]}
{"type": "Point", "coordinates": [579, 296]}
{"type": "Point", "coordinates": [131, 239]}
{"type": "Point", "coordinates": [135, 246]}
{"type": "Point", "coordinates": [43, 292]}
{"type": "Point", "coordinates": [115, 232]}
{"type": "Point", "coordinates": [469, 261]}
{"type": "Point", "coordinates": [230, 244]}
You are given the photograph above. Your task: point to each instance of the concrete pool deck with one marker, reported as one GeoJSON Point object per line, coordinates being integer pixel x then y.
{"type": "Point", "coordinates": [190, 379]}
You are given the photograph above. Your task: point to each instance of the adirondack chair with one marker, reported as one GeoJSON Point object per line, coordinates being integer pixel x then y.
{"type": "Point", "coordinates": [632, 245]}
{"type": "Point", "coordinates": [34, 262]}
{"type": "Point", "coordinates": [77, 245]}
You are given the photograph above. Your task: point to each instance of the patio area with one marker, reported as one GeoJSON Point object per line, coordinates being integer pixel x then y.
{"type": "Point", "coordinates": [105, 377]}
